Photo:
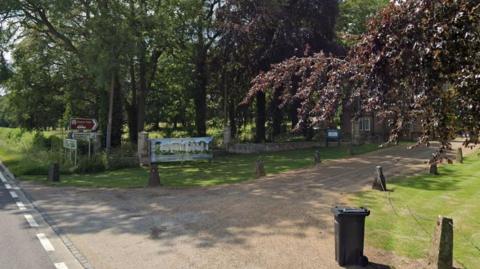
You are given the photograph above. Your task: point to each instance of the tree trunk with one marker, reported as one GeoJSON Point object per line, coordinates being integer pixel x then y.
{"type": "Point", "coordinates": [117, 117]}
{"type": "Point", "coordinates": [231, 116]}
{"type": "Point", "coordinates": [260, 119]}
{"type": "Point", "coordinates": [142, 90]}
{"type": "Point", "coordinates": [110, 115]}
{"type": "Point", "coordinates": [277, 117]}
{"type": "Point", "coordinates": [294, 113]}
{"type": "Point", "coordinates": [132, 108]}
{"type": "Point", "coordinates": [200, 94]}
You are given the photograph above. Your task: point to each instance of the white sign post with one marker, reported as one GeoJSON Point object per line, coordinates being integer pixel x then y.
{"type": "Point", "coordinates": [72, 146]}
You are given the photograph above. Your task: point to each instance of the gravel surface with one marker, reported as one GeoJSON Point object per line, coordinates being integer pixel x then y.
{"type": "Point", "coordinates": [280, 221]}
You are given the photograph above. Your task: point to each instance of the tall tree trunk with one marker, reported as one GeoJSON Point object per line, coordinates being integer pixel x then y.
{"type": "Point", "coordinates": [277, 116]}
{"type": "Point", "coordinates": [110, 114]}
{"type": "Point", "coordinates": [200, 95]}
{"type": "Point", "coordinates": [132, 107]}
{"type": "Point", "coordinates": [294, 113]}
{"type": "Point", "coordinates": [231, 116]}
{"type": "Point", "coordinates": [117, 115]}
{"type": "Point", "coordinates": [260, 119]}
{"type": "Point", "coordinates": [142, 90]}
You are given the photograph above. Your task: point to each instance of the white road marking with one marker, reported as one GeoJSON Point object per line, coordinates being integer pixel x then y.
{"type": "Point", "coordinates": [2, 178]}
{"type": "Point", "coordinates": [60, 265]}
{"type": "Point", "coordinates": [21, 206]}
{"type": "Point", "coordinates": [13, 194]}
{"type": "Point", "coordinates": [31, 220]}
{"type": "Point", "coordinates": [8, 186]}
{"type": "Point", "coordinates": [45, 242]}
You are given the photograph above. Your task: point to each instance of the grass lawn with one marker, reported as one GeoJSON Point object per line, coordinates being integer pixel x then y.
{"type": "Point", "coordinates": [225, 169]}
{"type": "Point", "coordinates": [418, 201]}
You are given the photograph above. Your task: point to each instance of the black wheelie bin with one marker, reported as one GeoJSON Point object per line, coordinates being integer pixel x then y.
{"type": "Point", "coordinates": [349, 235]}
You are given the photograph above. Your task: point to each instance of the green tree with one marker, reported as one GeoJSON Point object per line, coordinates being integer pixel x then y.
{"type": "Point", "coordinates": [256, 34]}
{"type": "Point", "coordinates": [354, 17]}
{"type": "Point", "coordinates": [418, 62]}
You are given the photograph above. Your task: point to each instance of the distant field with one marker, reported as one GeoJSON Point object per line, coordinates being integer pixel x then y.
{"type": "Point", "coordinates": [406, 228]}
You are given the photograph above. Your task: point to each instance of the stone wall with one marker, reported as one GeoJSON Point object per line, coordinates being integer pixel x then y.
{"type": "Point", "coordinates": [246, 148]}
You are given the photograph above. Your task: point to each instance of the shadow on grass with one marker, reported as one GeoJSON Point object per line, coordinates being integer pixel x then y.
{"type": "Point", "coordinates": [448, 179]}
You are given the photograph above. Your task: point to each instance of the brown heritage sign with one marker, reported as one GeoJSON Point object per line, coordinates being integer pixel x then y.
{"type": "Point", "coordinates": [83, 124]}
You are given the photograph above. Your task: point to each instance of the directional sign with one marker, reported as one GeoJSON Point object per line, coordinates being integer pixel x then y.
{"type": "Point", "coordinates": [83, 124]}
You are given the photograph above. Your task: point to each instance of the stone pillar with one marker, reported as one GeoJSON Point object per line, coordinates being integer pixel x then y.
{"type": "Point", "coordinates": [54, 172]}
{"type": "Point", "coordinates": [259, 169]}
{"type": "Point", "coordinates": [143, 149]}
{"type": "Point", "coordinates": [459, 155]}
{"type": "Point", "coordinates": [227, 136]}
{"type": "Point", "coordinates": [379, 183]}
{"type": "Point", "coordinates": [441, 254]}
{"type": "Point", "coordinates": [154, 178]}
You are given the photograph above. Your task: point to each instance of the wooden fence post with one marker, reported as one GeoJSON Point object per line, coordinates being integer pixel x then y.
{"type": "Point", "coordinates": [441, 254]}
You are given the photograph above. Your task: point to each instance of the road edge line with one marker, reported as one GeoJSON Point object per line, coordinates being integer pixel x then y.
{"type": "Point", "coordinates": [49, 221]}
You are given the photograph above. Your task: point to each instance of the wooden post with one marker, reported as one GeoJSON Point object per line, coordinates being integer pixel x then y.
{"type": "Point", "coordinates": [316, 158]}
{"type": "Point", "coordinates": [441, 254]}
{"type": "Point", "coordinates": [379, 183]}
{"type": "Point", "coordinates": [350, 149]}
{"type": "Point", "coordinates": [433, 163]}
{"type": "Point", "coordinates": [459, 155]}
{"type": "Point", "coordinates": [259, 169]}
{"type": "Point", "coordinates": [433, 169]}
{"type": "Point", "coordinates": [54, 172]}
{"type": "Point", "coordinates": [154, 179]}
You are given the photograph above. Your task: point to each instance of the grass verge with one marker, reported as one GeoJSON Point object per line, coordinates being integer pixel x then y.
{"type": "Point", "coordinates": [224, 169]}
{"type": "Point", "coordinates": [403, 220]}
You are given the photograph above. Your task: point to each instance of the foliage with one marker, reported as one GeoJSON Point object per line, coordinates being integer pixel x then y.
{"type": "Point", "coordinates": [256, 34]}
{"type": "Point", "coordinates": [354, 17]}
{"type": "Point", "coordinates": [406, 229]}
{"type": "Point", "coordinates": [27, 153]}
{"type": "Point", "coordinates": [417, 63]}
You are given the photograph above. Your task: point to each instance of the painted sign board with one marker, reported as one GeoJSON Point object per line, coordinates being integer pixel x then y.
{"type": "Point", "coordinates": [333, 134]}
{"type": "Point", "coordinates": [180, 149]}
{"type": "Point", "coordinates": [70, 144]}
{"type": "Point", "coordinates": [83, 124]}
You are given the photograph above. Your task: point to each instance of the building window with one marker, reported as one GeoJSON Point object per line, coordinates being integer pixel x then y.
{"type": "Point", "coordinates": [364, 124]}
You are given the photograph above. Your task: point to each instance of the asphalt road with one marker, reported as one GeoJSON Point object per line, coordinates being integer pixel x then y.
{"type": "Point", "coordinates": [19, 245]}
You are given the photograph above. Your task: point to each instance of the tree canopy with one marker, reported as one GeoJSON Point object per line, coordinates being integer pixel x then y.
{"type": "Point", "coordinates": [418, 61]}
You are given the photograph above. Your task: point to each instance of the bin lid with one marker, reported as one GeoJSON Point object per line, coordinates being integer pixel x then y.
{"type": "Point", "coordinates": [350, 211]}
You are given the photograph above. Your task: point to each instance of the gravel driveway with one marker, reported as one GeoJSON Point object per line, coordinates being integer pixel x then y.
{"type": "Point", "coordinates": [280, 221]}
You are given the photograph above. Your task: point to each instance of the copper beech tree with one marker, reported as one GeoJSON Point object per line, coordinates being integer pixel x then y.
{"type": "Point", "coordinates": [419, 61]}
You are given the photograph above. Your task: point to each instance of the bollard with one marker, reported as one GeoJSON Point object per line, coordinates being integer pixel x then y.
{"type": "Point", "coordinates": [433, 169]}
{"type": "Point", "coordinates": [154, 179]}
{"type": "Point", "coordinates": [316, 159]}
{"type": "Point", "coordinates": [379, 183]}
{"type": "Point", "coordinates": [54, 172]}
{"type": "Point", "coordinates": [459, 155]}
{"type": "Point", "coordinates": [350, 150]}
{"type": "Point", "coordinates": [259, 169]}
{"type": "Point", "coordinates": [441, 254]}
{"type": "Point", "coordinates": [433, 163]}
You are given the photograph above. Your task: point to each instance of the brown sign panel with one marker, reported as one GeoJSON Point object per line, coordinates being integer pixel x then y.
{"type": "Point", "coordinates": [83, 124]}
